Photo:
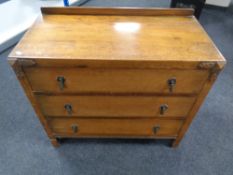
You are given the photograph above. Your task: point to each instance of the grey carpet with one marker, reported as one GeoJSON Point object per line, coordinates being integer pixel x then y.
{"type": "Point", "coordinates": [206, 149]}
{"type": "Point", "coordinates": [2, 1]}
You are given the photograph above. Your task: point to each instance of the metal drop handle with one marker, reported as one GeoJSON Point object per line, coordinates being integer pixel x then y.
{"type": "Point", "coordinates": [156, 129]}
{"type": "Point", "coordinates": [68, 108]}
{"type": "Point", "coordinates": [163, 108]}
{"type": "Point", "coordinates": [171, 84]}
{"type": "Point", "coordinates": [61, 82]}
{"type": "Point", "coordinates": [74, 128]}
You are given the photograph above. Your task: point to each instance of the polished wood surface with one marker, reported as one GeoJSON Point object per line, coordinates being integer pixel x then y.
{"type": "Point", "coordinates": [116, 127]}
{"type": "Point", "coordinates": [116, 80]}
{"type": "Point", "coordinates": [116, 64]}
{"type": "Point", "coordinates": [31, 96]}
{"type": "Point", "coordinates": [88, 37]}
{"type": "Point", "coordinates": [200, 99]}
{"type": "Point", "coordinates": [115, 106]}
{"type": "Point", "coordinates": [117, 11]}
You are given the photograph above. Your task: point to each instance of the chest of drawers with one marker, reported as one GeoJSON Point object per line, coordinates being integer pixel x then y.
{"type": "Point", "coordinates": [116, 72]}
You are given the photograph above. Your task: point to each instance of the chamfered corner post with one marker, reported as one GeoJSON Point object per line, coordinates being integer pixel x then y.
{"type": "Point", "coordinates": [214, 69]}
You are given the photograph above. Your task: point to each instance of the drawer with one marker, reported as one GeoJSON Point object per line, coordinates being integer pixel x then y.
{"type": "Point", "coordinates": [115, 80]}
{"type": "Point", "coordinates": [115, 106]}
{"type": "Point", "coordinates": [116, 127]}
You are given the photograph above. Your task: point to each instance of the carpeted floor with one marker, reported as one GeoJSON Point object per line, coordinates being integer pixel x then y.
{"type": "Point", "coordinates": [206, 149]}
{"type": "Point", "coordinates": [2, 1]}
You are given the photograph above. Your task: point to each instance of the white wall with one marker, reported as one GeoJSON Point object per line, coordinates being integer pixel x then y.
{"type": "Point", "coordinates": [222, 3]}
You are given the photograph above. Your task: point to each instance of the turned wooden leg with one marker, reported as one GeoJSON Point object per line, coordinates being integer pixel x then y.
{"type": "Point", "coordinates": [54, 142]}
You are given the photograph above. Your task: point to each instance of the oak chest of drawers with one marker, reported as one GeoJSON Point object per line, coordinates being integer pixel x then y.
{"type": "Point", "coordinates": [116, 72]}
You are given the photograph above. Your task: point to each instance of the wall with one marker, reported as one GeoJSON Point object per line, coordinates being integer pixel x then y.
{"type": "Point", "coordinates": [222, 3]}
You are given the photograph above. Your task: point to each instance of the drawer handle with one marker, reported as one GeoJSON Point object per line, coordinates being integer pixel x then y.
{"type": "Point", "coordinates": [74, 128]}
{"type": "Point", "coordinates": [61, 82]}
{"type": "Point", "coordinates": [68, 108]}
{"type": "Point", "coordinates": [163, 108]}
{"type": "Point", "coordinates": [156, 129]}
{"type": "Point", "coordinates": [171, 84]}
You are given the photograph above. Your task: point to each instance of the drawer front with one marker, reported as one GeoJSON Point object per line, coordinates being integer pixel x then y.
{"type": "Point", "coordinates": [116, 127]}
{"type": "Point", "coordinates": [115, 80]}
{"type": "Point", "coordinates": [115, 106]}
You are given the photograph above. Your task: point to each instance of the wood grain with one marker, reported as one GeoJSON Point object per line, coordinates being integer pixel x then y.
{"type": "Point", "coordinates": [200, 99]}
{"type": "Point", "coordinates": [117, 11]}
{"type": "Point", "coordinates": [119, 64]}
{"type": "Point", "coordinates": [116, 127]}
{"type": "Point", "coordinates": [177, 39]}
{"type": "Point", "coordinates": [115, 80]}
{"type": "Point", "coordinates": [30, 95]}
{"type": "Point", "coordinates": [116, 63]}
{"type": "Point", "coordinates": [112, 106]}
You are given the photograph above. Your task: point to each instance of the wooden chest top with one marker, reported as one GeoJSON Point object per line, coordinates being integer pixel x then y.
{"type": "Point", "coordinates": [165, 36]}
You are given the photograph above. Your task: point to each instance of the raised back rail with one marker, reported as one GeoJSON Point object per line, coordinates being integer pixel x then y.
{"type": "Point", "coordinates": [117, 11]}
